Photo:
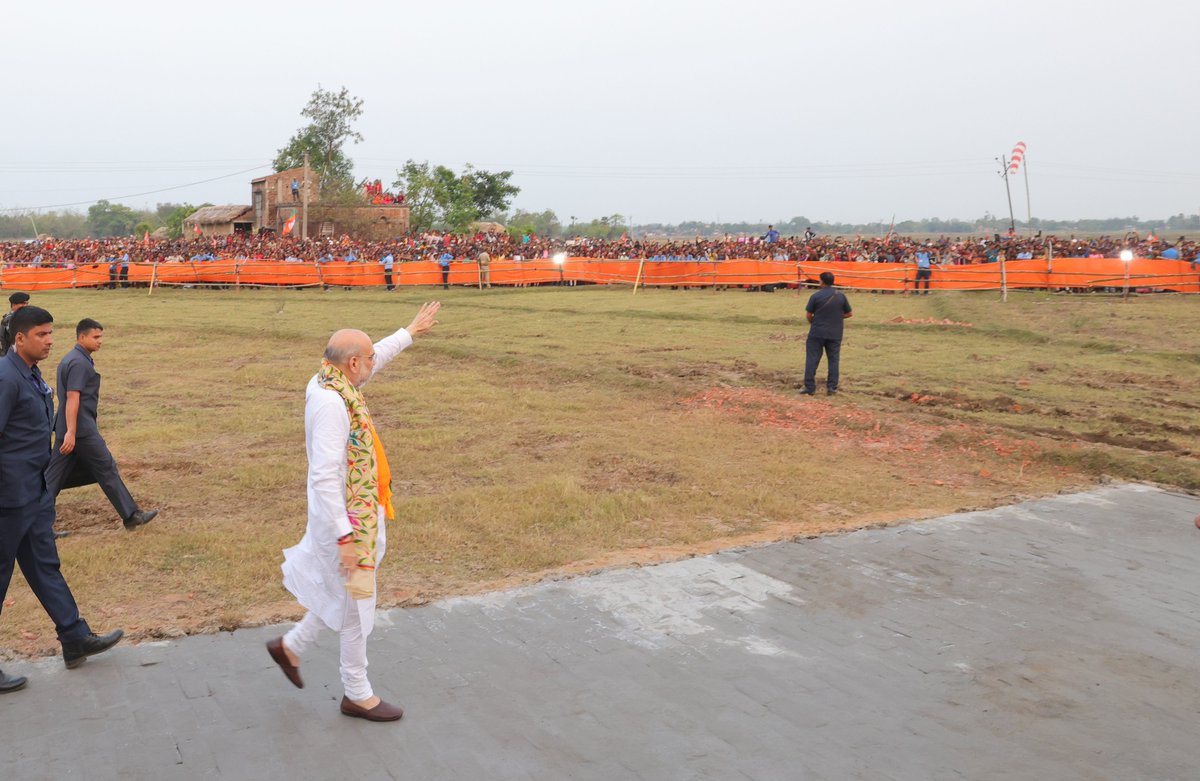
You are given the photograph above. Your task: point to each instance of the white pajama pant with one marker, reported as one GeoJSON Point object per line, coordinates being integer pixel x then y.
{"type": "Point", "coordinates": [353, 648]}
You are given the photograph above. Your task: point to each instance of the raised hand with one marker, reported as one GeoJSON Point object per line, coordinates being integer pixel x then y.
{"type": "Point", "coordinates": [425, 319]}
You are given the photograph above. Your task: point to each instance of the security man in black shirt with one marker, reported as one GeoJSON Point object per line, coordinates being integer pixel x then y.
{"type": "Point", "coordinates": [827, 310]}
{"type": "Point", "coordinates": [15, 301]}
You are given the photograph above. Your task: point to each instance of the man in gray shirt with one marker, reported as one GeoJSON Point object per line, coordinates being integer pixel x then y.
{"type": "Point", "coordinates": [826, 309]}
{"type": "Point", "coordinates": [80, 455]}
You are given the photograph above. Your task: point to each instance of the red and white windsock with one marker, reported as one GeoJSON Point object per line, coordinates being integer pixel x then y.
{"type": "Point", "coordinates": [1018, 154]}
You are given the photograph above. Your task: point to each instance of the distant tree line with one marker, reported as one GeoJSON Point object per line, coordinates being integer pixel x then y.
{"type": "Point", "coordinates": [444, 200]}
{"type": "Point", "coordinates": [102, 220]}
{"type": "Point", "coordinates": [931, 225]}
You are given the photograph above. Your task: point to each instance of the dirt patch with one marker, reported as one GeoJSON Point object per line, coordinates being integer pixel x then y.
{"type": "Point", "coordinates": [610, 475]}
{"type": "Point", "coordinates": [950, 398]}
{"type": "Point", "coordinates": [93, 514]}
{"type": "Point", "coordinates": [900, 320]}
{"type": "Point", "coordinates": [708, 371]}
{"type": "Point", "coordinates": [543, 446]}
{"type": "Point", "coordinates": [1129, 441]}
{"type": "Point", "coordinates": [662, 349]}
{"type": "Point", "coordinates": [1137, 424]}
{"type": "Point", "coordinates": [1131, 380]}
{"type": "Point", "coordinates": [848, 425]}
{"type": "Point", "coordinates": [722, 374]}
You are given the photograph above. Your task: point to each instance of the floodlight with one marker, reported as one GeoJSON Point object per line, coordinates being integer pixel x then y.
{"type": "Point", "coordinates": [1126, 255]}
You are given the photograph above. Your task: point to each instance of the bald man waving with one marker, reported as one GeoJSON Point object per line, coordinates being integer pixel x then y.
{"type": "Point", "coordinates": [332, 571]}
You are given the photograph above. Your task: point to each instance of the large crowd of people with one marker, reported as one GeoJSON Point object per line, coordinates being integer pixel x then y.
{"type": "Point", "coordinates": [68, 253]}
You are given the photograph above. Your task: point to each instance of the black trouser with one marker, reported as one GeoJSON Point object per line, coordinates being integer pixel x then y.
{"type": "Point", "coordinates": [387, 279]}
{"type": "Point", "coordinates": [814, 346]}
{"type": "Point", "coordinates": [445, 279]}
{"type": "Point", "coordinates": [27, 539]}
{"type": "Point", "coordinates": [90, 462]}
{"type": "Point", "coordinates": [925, 274]}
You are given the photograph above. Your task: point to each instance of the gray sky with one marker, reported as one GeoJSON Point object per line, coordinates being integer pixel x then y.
{"type": "Point", "coordinates": [662, 111]}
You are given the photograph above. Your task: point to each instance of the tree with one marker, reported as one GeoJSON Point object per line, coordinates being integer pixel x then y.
{"type": "Point", "coordinates": [490, 192]}
{"type": "Point", "coordinates": [542, 223]}
{"type": "Point", "coordinates": [111, 219]}
{"type": "Point", "coordinates": [437, 197]}
{"type": "Point", "coordinates": [603, 228]}
{"type": "Point", "coordinates": [29, 225]}
{"type": "Point", "coordinates": [331, 116]}
{"type": "Point", "coordinates": [174, 219]}
{"type": "Point", "coordinates": [415, 180]}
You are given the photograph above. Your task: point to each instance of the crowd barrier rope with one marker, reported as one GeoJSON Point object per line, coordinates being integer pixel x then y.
{"type": "Point", "coordinates": [1038, 273]}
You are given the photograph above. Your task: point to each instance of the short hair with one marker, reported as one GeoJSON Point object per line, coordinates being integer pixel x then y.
{"type": "Point", "coordinates": [85, 325]}
{"type": "Point", "coordinates": [338, 354]}
{"type": "Point", "coordinates": [28, 317]}
{"type": "Point", "coordinates": [826, 277]}
{"type": "Point", "coordinates": [18, 298]}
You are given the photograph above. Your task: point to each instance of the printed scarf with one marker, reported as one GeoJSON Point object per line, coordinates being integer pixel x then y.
{"type": "Point", "coordinates": [368, 479]}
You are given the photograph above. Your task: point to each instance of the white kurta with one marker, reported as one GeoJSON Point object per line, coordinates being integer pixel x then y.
{"type": "Point", "coordinates": [311, 569]}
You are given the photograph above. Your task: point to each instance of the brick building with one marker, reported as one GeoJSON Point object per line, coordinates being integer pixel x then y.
{"type": "Point", "coordinates": [274, 201]}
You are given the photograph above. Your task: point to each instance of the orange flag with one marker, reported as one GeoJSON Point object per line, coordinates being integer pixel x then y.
{"type": "Point", "coordinates": [289, 225]}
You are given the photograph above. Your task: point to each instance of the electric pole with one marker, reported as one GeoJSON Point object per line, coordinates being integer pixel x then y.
{"type": "Point", "coordinates": [304, 201]}
{"type": "Point", "coordinates": [1012, 221]}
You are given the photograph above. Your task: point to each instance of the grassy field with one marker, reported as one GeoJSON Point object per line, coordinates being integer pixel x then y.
{"type": "Point", "coordinates": [546, 431]}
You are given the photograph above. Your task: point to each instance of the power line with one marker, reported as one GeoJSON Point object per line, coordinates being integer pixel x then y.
{"type": "Point", "coordinates": [798, 171]}
{"type": "Point", "coordinates": [130, 162]}
{"type": "Point", "coordinates": [135, 195]}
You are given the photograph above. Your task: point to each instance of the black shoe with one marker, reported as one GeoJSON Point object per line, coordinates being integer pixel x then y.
{"type": "Point", "coordinates": [75, 651]}
{"type": "Point", "coordinates": [831, 392]}
{"type": "Point", "coordinates": [140, 518]}
{"type": "Point", "coordinates": [11, 683]}
{"type": "Point", "coordinates": [59, 535]}
{"type": "Point", "coordinates": [807, 392]}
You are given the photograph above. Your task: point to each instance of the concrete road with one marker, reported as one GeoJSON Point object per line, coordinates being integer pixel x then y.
{"type": "Point", "coordinates": [1057, 639]}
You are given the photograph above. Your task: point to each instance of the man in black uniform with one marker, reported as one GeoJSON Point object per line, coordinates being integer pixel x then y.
{"type": "Point", "coordinates": [80, 455]}
{"type": "Point", "coordinates": [15, 301]}
{"type": "Point", "coordinates": [26, 507]}
{"type": "Point", "coordinates": [827, 309]}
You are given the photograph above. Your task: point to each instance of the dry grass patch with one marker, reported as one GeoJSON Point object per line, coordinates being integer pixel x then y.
{"type": "Point", "coordinates": [560, 430]}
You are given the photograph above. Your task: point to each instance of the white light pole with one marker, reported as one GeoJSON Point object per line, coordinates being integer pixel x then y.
{"type": "Point", "coordinates": [559, 258]}
{"type": "Point", "coordinates": [1127, 257]}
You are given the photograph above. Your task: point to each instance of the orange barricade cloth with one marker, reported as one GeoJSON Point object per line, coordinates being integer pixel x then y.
{"type": "Point", "coordinates": [1172, 275]}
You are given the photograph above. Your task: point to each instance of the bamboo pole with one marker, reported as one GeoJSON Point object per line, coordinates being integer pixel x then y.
{"type": "Point", "coordinates": [153, 277]}
{"type": "Point", "coordinates": [1003, 278]}
{"type": "Point", "coordinates": [637, 280]}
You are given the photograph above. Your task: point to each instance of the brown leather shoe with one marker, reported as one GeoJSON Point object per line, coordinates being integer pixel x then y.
{"type": "Point", "coordinates": [275, 648]}
{"type": "Point", "coordinates": [381, 712]}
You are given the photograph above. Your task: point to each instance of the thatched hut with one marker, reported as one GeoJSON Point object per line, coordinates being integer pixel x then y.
{"type": "Point", "coordinates": [219, 220]}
